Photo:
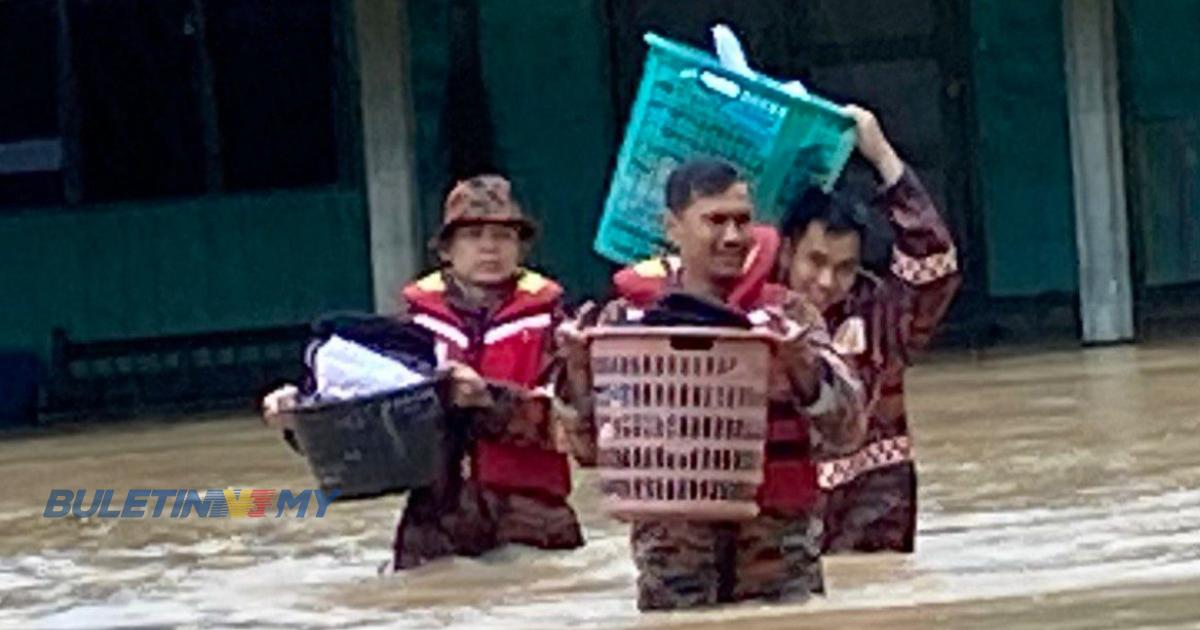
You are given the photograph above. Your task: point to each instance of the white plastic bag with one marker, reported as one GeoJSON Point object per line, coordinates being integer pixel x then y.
{"type": "Point", "coordinates": [733, 57]}
{"type": "Point", "coordinates": [345, 370]}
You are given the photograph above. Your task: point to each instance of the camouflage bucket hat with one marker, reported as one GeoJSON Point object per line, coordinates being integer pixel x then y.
{"type": "Point", "coordinates": [484, 199]}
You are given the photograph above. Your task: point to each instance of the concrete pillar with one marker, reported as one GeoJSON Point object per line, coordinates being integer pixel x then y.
{"type": "Point", "coordinates": [1101, 228]}
{"type": "Point", "coordinates": [381, 28]}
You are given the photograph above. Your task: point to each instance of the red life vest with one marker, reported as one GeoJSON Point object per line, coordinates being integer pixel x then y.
{"type": "Point", "coordinates": [790, 479]}
{"type": "Point", "coordinates": [509, 349]}
{"type": "Point", "coordinates": [642, 283]}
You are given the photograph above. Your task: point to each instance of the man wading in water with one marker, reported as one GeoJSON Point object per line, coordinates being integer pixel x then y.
{"type": "Point", "coordinates": [494, 322]}
{"type": "Point", "coordinates": [815, 409]}
{"type": "Point", "coordinates": [880, 321]}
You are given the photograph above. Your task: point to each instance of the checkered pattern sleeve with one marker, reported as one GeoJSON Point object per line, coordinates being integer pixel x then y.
{"type": "Point", "coordinates": [924, 258]}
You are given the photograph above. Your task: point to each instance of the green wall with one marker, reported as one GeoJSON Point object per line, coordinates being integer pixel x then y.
{"type": "Point", "coordinates": [546, 68]}
{"type": "Point", "coordinates": [1161, 65]}
{"type": "Point", "coordinates": [547, 72]}
{"type": "Point", "coordinates": [233, 262]}
{"type": "Point", "coordinates": [429, 67]}
{"type": "Point", "coordinates": [1161, 84]}
{"type": "Point", "coordinates": [206, 264]}
{"type": "Point", "coordinates": [1023, 150]}
{"type": "Point", "coordinates": [1024, 156]}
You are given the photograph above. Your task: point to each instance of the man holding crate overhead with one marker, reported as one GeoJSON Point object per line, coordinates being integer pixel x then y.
{"type": "Point", "coordinates": [880, 321]}
{"type": "Point", "coordinates": [814, 407]}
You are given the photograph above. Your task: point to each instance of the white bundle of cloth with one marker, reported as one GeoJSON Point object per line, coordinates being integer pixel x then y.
{"type": "Point", "coordinates": [345, 370]}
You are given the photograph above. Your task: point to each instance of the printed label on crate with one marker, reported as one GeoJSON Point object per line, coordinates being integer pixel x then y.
{"type": "Point", "coordinates": [687, 107]}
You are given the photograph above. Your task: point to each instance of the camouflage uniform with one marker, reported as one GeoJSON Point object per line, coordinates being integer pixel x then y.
{"type": "Point", "coordinates": [528, 518]}
{"type": "Point", "coordinates": [685, 564]}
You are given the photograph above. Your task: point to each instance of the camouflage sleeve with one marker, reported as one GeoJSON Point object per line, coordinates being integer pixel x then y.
{"type": "Point", "coordinates": [838, 416]}
{"type": "Point", "coordinates": [575, 409]}
{"type": "Point", "coordinates": [492, 422]}
{"type": "Point", "coordinates": [924, 258]}
{"type": "Point", "coordinates": [837, 408]}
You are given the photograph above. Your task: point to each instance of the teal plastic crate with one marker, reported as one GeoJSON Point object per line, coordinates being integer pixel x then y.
{"type": "Point", "coordinates": [689, 106]}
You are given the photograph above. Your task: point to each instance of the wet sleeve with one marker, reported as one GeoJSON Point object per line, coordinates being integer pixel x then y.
{"type": "Point", "coordinates": [575, 404]}
{"type": "Point", "coordinates": [837, 411]}
{"type": "Point", "coordinates": [492, 422]}
{"type": "Point", "coordinates": [924, 259]}
{"type": "Point", "coordinates": [521, 415]}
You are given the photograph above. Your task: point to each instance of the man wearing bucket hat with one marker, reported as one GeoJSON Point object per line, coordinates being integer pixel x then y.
{"type": "Point", "coordinates": [815, 407]}
{"type": "Point", "coordinates": [494, 323]}
{"type": "Point", "coordinates": [492, 320]}
{"type": "Point", "coordinates": [880, 321]}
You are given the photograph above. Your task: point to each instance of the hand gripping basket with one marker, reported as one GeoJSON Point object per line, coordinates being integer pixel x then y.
{"type": "Point", "coordinates": [382, 444]}
{"type": "Point", "coordinates": [681, 420]}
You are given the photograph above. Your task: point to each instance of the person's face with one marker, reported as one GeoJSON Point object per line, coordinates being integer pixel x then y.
{"type": "Point", "coordinates": [822, 265]}
{"type": "Point", "coordinates": [713, 233]}
{"type": "Point", "coordinates": [483, 253]}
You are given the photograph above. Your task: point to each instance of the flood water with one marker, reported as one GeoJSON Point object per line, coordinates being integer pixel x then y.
{"type": "Point", "coordinates": [1058, 490]}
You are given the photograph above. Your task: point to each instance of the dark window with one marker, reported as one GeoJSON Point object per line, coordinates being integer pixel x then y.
{"type": "Point", "coordinates": [273, 74]}
{"type": "Point", "coordinates": [141, 130]}
{"type": "Point", "coordinates": [164, 98]}
{"type": "Point", "coordinates": [30, 149]}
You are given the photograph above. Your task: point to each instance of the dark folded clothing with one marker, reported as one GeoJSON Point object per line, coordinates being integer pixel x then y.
{"type": "Point", "coordinates": [399, 340]}
{"type": "Point", "coordinates": [682, 309]}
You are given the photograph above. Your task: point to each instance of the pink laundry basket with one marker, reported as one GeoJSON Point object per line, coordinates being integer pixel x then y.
{"type": "Point", "coordinates": [681, 420]}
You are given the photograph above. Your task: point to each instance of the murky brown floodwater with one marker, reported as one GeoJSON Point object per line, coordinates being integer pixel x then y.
{"type": "Point", "coordinates": [1059, 490]}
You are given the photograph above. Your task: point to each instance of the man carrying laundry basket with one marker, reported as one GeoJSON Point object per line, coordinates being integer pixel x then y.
{"type": "Point", "coordinates": [814, 408]}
